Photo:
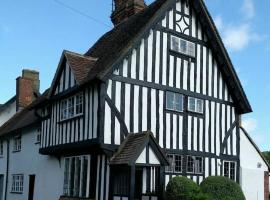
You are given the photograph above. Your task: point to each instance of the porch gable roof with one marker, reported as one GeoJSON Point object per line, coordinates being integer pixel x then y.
{"type": "Point", "coordinates": [133, 146]}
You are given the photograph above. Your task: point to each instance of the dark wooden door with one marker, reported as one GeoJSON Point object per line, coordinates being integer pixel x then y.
{"type": "Point", "coordinates": [31, 187]}
{"type": "Point", "coordinates": [138, 183]}
{"type": "Point", "coordinates": [1, 186]}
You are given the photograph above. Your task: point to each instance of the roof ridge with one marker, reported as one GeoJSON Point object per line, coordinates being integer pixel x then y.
{"type": "Point", "coordinates": [91, 58]}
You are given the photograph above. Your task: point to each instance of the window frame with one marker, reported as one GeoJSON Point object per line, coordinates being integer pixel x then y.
{"type": "Point", "coordinates": [196, 105]}
{"type": "Point", "coordinates": [229, 170]}
{"type": "Point", "coordinates": [174, 102]}
{"type": "Point", "coordinates": [189, 52]}
{"type": "Point", "coordinates": [68, 107]}
{"type": "Point", "coordinates": [195, 165]}
{"type": "Point", "coordinates": [71, 167]}
{"type": "Point", "coordinates": [17, 184]}
{"type": "Point", "coordinates": [17, 147]}
{"type": "Point", "coordinates": [172, 167]}
{"type": "Point", "coordinates": [38, 136]}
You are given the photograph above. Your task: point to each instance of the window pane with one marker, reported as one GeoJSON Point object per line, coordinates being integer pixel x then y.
{"type": "Point", "coordinates": [226, 169]}
{"type": "Point", "coordinates": [191, 104]}
{"type": "Point", "coordinates": [175, 44]}
{"type": "Point", "coordinates": [183, 46]}
{"type": "Point", "coordinates": [199, 165]}
{"type": "Point", "coordinates": [199, 105]}
{"type": "Point", "coordinates": [178, 163]}
{"type": "Point", "coordinates": [232, 171]}
{"type": "Point", "coordinates": [179, 102]}
{"type": "Point", "coordinates": [171, 161]}
{"type": "Point", "coordinates": [170, 101]}
{"type": "Point", "coordinates": [190, 164]}
{"type": "Point", "coordinates": [191, 49]}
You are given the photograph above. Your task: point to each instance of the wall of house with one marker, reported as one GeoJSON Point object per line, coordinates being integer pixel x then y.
{"type": "Point", "coordinates": [3, 166]}
{"type": "Point", "coordinates": [48, 170]}
{"type": "Point", "coordinates": [252, 170]}
{"type": "Point", "coordinates": [137, 90]}
{"type": "Point", "coordinates": [7, 113]}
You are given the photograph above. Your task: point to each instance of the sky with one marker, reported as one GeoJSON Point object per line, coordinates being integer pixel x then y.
{"type": "Point", "coordinates": [33, 34]}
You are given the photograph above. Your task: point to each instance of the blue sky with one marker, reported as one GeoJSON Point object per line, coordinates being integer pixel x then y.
{"type": "Point", "coordinates": [33, 34]}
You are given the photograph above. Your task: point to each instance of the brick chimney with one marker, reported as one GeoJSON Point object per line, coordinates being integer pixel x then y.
{"type": "Point", "coordinates": [123, 9]}
{"type": "Point", "coordinates": [27, 86]}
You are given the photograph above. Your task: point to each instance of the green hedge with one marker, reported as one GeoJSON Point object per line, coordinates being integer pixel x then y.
{"type": "Point", "coordinates": [182, 188]}
{"type": "Point", "coordinates": [222, 188]}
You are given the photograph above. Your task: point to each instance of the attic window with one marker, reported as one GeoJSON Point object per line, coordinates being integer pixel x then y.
{"type": "Point", "coordinates": [182, 46]}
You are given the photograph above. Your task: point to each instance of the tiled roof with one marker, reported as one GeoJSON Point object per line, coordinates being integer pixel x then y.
{"type": "Point", "coordinates": [132, 146]}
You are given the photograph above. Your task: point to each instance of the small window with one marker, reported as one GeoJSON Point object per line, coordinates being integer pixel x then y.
{"type": "Point", "coordinates": [17, 144]}
{"type": "Point", "coordinates": [182, 46]}
{"type": "Point", "coordinates": [75, 176]}
{"type": "Point", "coordinates": [175, 163]}
{"type": "Point", "coordinates": [229, 169]}
{"type": "Point", "coordinates": [17, 183]}
{"type": "Point", "coordinates": [1, 148]}
{"type": "Point", "coordinates": [195, 105]}
{"type": "Point", "coordinates": [38, 139]}
{"type": "Point", "coordinates": [194, 164]}
{"type": "Point", "coordinates": [72, 107]}
{"type": "Point", "coordinates": [174, 101]}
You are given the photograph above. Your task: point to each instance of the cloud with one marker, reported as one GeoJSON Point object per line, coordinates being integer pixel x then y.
{"type": "Point", "coordinates": [218, 22]}
{"type": "Point", "coordinates": [248, 9]}
{"type": "Point", "coordinates": [250, 124]}
{"type": "Point", "coordinates": [237, 38]}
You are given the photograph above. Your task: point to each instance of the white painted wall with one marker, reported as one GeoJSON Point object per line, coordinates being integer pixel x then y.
{"type": "Point", "coordinates": [251, 176]}
{"type": "Point", "coordinates": [3, 165]}
{"type": "Point", "coordinates": [48, 170]}
{"type": "Point", "coordinates": [7, 113]}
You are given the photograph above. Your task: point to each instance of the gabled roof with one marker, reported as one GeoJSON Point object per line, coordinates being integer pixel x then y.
{"type": "Point", "coordinates": [133, 146]}
{"type": "Point", "coordinates": [80, 66]}
{"type": "Point", "coordinates": [20, 120]}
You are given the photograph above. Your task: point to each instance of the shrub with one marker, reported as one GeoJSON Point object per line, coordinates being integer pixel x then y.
{"type": "Point", "coordinates": [182, 188]}
{"type": "Point", "coordinates": [222, 188]}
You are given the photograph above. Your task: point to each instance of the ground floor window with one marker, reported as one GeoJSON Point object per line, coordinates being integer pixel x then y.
{"type": "Point", "coordinates": [229, 169]}
{"type": "Point", "coordinates": [76, 175]}
{"type": "Point", "coordinates": [17, 183]}
{"type": "Point", "coordinates": [175, 163]}
{"type": "Point", "coordinates": [194, 164]}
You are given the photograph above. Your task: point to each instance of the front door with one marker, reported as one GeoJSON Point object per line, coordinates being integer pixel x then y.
{"type": "Point", "coordinates": [31, 187]}
{"type": "Point", "coordinates": [1, 186]}
{"type": "Point", "coordinates": [138, 183]}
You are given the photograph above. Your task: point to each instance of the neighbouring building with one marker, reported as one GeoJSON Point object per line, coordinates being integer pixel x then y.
{"type": "Point", "coordinates": [155, 97]}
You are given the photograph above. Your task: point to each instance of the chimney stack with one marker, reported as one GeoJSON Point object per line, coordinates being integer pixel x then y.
{"type": "Point", "coordinates": [27, 88]}
{"type": "Point", "coordinates": [123, 9]}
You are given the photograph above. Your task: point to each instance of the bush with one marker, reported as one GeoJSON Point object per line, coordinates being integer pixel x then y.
{"type": "Point", "coordinates": [182, 188]}
{"type": "Point", "coordinates": [222, 188]}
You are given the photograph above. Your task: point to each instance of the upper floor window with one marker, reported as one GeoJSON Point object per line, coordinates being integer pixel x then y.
{"type": "Point", "coordinates": [174, 101]}
{"type": "Point", "coordinates": [195, 164]}
{"type": "Point", "coordinates": [76, 172]}
{"type": "Point", "coordinates": [1, 148]}
{"type": "Point", "coordinates": [17, 143]}
{"type": "Point", "coordinates": [229, 169]}
{"type": "Point", "coordinates": [175, 163]}
{"type": "Point", "coordinates": [72, 107]}
{"type": "Point", "coordinates": [182, 46]}
{"type": "Point", "coordinates": [195, 105]}
{"type": "Point", "coordinates": [17, 183]}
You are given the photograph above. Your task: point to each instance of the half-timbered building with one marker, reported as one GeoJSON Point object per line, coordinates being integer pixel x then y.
{"type": "Point", "coordinates": [155, 97]}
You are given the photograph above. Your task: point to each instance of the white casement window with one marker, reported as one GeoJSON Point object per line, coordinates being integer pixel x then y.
{"type": "Point", "coordinates": [174, 101]}
{"type": "Point", "coordinates": [229, 170]}
{"type": "Point", "coordinates": [72, 107]}
{"type": "Point", "coordinates": [194, 164]}
{"type": "Point", "coordinates": [17, 143]}
{"type": "Point", "coordinates": [76, 175]}
{"type": "Point", "coordinates": [175, 163]}
{"type": "Point", "coordinates": [195, 105]}
{"type": "Point", "coordinates": [38, 136]}
{"type": "Point", "coordinates": [182, 46]}
{"type": "Point", "coordinates": [17, 183]}
{"type": "Point", "coordinates": [1, 148]}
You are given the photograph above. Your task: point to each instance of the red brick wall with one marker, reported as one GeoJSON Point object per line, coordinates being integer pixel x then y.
{"type": "Point", "coordinates": [266, 185]}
